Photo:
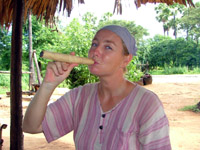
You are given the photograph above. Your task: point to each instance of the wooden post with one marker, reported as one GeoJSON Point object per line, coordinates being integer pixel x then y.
{"type": "Point", "coordinates": [16, 134]}
{"type": "Point", "coordinates": [8, 72]}
{"type": "Point", "coordinates": [37, 67]}
{"type": "Point", "coordinates": [31, 64]}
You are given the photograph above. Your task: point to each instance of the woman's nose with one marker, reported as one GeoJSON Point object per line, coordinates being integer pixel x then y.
{"type": "Point", "coordinates": [96, 51]}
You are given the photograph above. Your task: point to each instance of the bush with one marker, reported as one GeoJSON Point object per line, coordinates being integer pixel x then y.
{"type": "Point", "coordinates": [133, 74]}
{"type": "Point", "coordinates": [25, 82]}
{"type": "Point", "coordinates": [4, 80]}
{"type": "Point", "coordinates": [80, 76]}
{"type": "Point", "coordinates": [175, 70]}
{"type": "Point", "coordinates": [193, 108]}
{"type": "Point", "coordinates": [196, 70]}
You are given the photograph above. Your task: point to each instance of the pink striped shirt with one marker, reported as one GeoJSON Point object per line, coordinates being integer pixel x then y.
{"type": "Point", "coordinates": [138, 122]}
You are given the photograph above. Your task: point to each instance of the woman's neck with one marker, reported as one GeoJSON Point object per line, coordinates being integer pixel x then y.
{"type": "Point", "coordinates": [111, 87]}
{"type": "Point", "coordinates": [111, 92]}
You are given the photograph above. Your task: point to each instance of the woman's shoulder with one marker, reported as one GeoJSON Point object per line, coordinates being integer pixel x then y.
{"type": "Point", "coordinates": [144, 90]}
{"type": "Point", "coordinates": [145, 95]}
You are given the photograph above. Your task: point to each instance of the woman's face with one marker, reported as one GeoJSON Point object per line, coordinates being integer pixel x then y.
{"type": "Point", "coordinates": [107, 52]}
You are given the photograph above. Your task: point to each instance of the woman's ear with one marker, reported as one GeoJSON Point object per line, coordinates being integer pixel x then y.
{"type": "Point", "coordinates": [127, 59]}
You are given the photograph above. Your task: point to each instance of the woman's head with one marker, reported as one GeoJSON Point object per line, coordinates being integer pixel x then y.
{"type": "Point", "coordinates": [111, 50]}
{"type": "Point", "coordinates": [126, 37]}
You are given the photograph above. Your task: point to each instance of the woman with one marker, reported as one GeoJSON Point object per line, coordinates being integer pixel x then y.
{"type": "Point", "coordinates": [113, 114]}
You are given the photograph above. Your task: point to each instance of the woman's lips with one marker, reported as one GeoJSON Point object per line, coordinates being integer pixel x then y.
{"type": "Point", "coordinates": [95, 62]}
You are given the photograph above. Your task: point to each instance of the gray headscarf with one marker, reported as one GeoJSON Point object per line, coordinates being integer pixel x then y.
{"type": "Point", "coordinates": [125, 35]}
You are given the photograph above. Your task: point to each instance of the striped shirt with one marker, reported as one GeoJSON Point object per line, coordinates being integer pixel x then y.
{"type": "Point", "coordinates": [138, 122]}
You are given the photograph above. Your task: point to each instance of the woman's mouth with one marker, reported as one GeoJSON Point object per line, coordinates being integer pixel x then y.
{"type": "Point", "coordinates": [95, 62]}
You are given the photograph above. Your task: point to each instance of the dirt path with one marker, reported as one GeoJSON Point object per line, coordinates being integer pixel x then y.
{"type": "Point", "coordinates": [184, 126]}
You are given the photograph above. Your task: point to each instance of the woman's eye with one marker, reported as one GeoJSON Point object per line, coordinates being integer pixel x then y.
{"type": "Point", "coordinates": [108, 47]}
{"type": "Point", "coordinates": [94, 45]}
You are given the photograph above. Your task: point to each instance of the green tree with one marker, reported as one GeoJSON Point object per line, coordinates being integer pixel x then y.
{"type": "Point", "coordinates": [176, 9]}
{"type": "Point", "coordinates": [190, 23]}
{"type": "Point", "coordinates": [78, 39]}
{"type": "Point", "coordinates": [43, 38]}
{"type": "Point", "coordinates": [143, 51]}
{"type": "Point", "coordinates": [136, 30]}
{"type": "Point", "coordinates": [163, 12]}
{"type": "Point", "coordinates": [105, 18]}
{"type": "Point", "coordinates": [5, 48]}
{"type": "Point", "coordinates": [166, 51]}
{"type": "Point", "coordinates": [167, 14]}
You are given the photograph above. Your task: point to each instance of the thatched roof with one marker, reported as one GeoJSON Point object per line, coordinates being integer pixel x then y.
{"type": "Point", "coordinates": [47, 8]}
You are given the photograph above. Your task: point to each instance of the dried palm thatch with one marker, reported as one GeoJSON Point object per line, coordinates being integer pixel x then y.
{"type": "Point", "coordinates": [47, 8]}
{"type": "Point", "coordinates": [168, 2]}
{"type": "Point", "coordinates": [40, 8]}
{"type": "Point", "coordinates": [118, 3]}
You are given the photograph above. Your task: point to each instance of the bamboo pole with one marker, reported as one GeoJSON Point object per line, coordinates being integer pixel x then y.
{"type": "Point", "coordinates": [31, 63]}
{"type": "Point", "coordinates": [8, 72]}
{"type": "Point", "coordinates": [37, 67]}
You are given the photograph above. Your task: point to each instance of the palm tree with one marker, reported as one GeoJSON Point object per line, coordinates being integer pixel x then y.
{"type": "Point", "coordinates": [168, 16]}
{"type": "Point", "coordinates": [164, 13]}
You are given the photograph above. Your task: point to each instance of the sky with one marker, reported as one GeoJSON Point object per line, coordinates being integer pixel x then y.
{"type": "Point", "coordinates": [144, 15]}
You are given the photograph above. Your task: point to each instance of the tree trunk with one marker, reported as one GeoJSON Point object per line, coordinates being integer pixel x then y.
{"type": "Point", "coordinates": [31, 64]}
{"type": "Point", "coordinates": [175, 28]}
{"type": "Point", "coordinates": [16, 134]}
{"type": "Point", "coordinates": [37, 67]}
{"type": "Point", "coordinates": [164, 28]}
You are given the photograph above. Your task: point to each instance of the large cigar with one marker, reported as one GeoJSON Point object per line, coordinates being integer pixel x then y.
{"type": "Point", "coordinates": [66, 58]}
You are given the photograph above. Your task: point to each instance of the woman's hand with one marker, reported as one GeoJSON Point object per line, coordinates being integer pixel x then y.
{"type": "Point", "coordinates": [57, 72]}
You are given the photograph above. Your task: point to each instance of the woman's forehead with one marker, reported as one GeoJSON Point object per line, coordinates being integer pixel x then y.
{"type": "Point", "coordinates": [107, 35]}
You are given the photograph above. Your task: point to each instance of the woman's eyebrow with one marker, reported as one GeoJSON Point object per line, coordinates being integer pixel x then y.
{"type": "Point", "coordinates": [106, 41]}
{"type": "Point", "coordinates": [112, 42]}
{"type": "Point", "coordinates": [95, 39]}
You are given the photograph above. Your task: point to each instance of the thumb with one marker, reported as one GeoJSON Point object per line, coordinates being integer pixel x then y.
{"type": "Point", "coordinates": [71, 66]}
{"type": "Point", "coordinates": [69, 69]}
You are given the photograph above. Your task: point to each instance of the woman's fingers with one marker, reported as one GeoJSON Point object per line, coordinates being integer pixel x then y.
{"type": "Point", "coordinates": [58, 71]}
{"type": "Point", "coordinates": [57, 68]}
{"type": "Point", "coordinates": [65, 66]}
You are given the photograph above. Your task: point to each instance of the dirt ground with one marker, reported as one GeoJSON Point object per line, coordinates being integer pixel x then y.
{"type": "Point", "coordinates": [184, 125]}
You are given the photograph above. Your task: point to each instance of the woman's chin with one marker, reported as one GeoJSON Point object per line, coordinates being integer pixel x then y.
{"type": "Point", "coordinates": [94, 71]}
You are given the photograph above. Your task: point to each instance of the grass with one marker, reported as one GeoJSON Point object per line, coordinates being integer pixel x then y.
{"type": "Point", "coordinates": [193, 108]}
{"type": "Point", "coordinates": [4, 90]}
{"type": "Point", "coordinates": [175, 70]}
{"type": "Point", "coordinates": [5, 83]}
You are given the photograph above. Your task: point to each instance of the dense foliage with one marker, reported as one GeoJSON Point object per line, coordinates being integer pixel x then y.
{"type": "Point", "coordinates": [163, 51]}
{"type": "Point", "coordinates": [5, 48]}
